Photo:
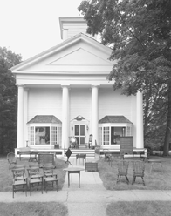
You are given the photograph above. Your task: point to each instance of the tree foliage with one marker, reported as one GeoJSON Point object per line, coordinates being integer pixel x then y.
{"type": "Point", "coordinates": [139, 33]}
{"type": "Point", "coordinates": [8, 100]}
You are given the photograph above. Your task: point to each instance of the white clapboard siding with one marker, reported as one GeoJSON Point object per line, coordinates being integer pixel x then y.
{"type": "Point", "coordinates": [80, 103]}
{"type": "Point", "coordinates": [47, 101]}
{"type": "Point", "coordinates": [113, 103]}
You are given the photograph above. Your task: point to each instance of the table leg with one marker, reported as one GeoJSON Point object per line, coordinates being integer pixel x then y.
{"type": "Point", "coordinates": [68, 179]}
{"type": "Point", "coordinates": [79, 179]}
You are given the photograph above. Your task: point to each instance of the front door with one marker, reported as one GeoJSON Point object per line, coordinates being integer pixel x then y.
{"type": "Point", "coordinates": [80, 134]}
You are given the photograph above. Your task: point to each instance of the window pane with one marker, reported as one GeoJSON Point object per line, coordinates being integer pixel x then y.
{"type": "Point", "coordinates": [76, 130]}
{"type": "Point", "coordinates": [82, 140]}
{"type": "Point", "coordinates": [106, 136]}
{"type": "Point", "coordinates": [42, 135]}
{"type": "Point", "coordinates": [82, 130]}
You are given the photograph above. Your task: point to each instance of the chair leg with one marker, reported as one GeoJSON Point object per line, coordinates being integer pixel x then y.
{"type": "Point", "coordinates": [118, 179]}
{"type": "Point", "coordinates": [42, 187]}
{"type": "Point", "coordinates": [57, 184]}
{"type": "Point", "coordinates": [127, 180]}
{"type": "Point", "coordinates": [13, 191]}
{"type": "Point", "coordinates": [30, 189]}
{"type": "Point", "coordinates": [26, 189]}
{"type": "Point", "coordinates": [134, 177]}
{"type": "Point", "coordinates": [143, 181]}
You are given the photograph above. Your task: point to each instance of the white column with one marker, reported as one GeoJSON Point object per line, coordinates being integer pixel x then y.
{"type": "Point", "coordinates": [139, 123]}
{"type": "Point", "coordinates": [95, 114]}
{"type": "Point", "coordinates": [26, 92]}
{"type": "Point", "coordinates": [20, 117]}
{"type": "Point", "coordinates": [65, 117]}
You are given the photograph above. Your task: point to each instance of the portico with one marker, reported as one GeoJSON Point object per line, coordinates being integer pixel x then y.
{"type": "Point", "coordinates": [63, 92]}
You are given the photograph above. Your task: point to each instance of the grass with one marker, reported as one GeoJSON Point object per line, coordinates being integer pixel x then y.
{"type": "Point", "coordinates": [33, 209]}
{"type": "Point", "coordinates": [140, 208]}
{"type": "Point", "coordinates": [6, 174]}
{"type": "Point", "coordinates": [30, 208]}
{"type": "Point", "coordinates": [158, 179]}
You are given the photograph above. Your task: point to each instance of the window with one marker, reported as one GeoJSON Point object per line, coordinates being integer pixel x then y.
{"type": "Point", "coordinates": [45, 135]}
{"type": "Point", "coordinates": [42, 135]}
{"type": "Point", "coordinates": [110, 134]}
{"type": "Point", "coordinates": [106, 133]}
{"type": "Point", "coordinates": [116, 133]}
{"type": "Point", "coordinates": [31, 135]}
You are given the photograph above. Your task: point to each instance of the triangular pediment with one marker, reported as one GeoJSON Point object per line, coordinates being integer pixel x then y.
{"type": "Point", "coordinates": [80, 57]}
{"type": "Point", "coordinates": [79, 53]}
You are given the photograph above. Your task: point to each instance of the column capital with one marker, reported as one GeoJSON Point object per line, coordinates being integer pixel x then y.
{"type": "Point", "coordinates": [20, 85]}
{"type": "Point", "coordinates": [95, 86]}
{"type": "Point", "coordinates": [65, 85]}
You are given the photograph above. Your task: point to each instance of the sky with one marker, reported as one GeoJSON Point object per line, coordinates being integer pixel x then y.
{"type": "Point", "coordinates": [28, 27]}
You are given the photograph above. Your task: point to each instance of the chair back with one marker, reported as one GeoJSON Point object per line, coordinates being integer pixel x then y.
{"type": "Point", "coordinates": [33, 171]}
{"type": "Point", "coordinates": [123, 167]}
{"type": "Point", "coordinates": [48, 169]}
{"type": "Point", "coordinates": [18, 173]}
{"type": "Point", "coordinates": [45, 159]}
{"type": "Point", "coordinates": [139, 167]}
{"type": "Point", "coordinates": [11, 158]}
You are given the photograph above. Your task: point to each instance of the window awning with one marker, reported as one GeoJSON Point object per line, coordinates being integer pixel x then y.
{"type": "Point", "coordinates": [46, 119]}
{"type": "Point", "coordinates": [114, 120]}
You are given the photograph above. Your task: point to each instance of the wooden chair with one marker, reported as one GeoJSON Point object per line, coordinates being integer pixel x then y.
{"type": "Point", "coordinates": [19, 180]}
{"type": "Point", "coordinates": [46, 158]}
{"type": "Point", "coordinates": [122, 170]}
{"type": "Point", "coordinates": [34, 177]}
{"type": "Point", "coordinates": [49, 176]}
{"type": "Point", "coordinates": [12, 160]}
{"type": "Point", "coordinates": [108, 156]}
{"type": "Point", "coordinates": [138, 170]}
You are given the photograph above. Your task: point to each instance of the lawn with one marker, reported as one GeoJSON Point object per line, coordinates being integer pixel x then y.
{"type": "Point", "coordinates": [33, 209]}
{"type": "Point", "coordinates": [30, 208]}
{"type": "Point", "coordinates": [6, 174]}
{"type": "Point", "coordinates": [158, 179]}
{"type": "Point", "coordinates": [143, 208]}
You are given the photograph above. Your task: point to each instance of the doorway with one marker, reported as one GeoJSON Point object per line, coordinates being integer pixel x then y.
{"type": "Point", "coordinates": [79, 133]}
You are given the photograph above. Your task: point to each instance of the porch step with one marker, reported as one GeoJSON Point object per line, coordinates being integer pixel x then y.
{"type": "Point", "coordinates": [88, 152]}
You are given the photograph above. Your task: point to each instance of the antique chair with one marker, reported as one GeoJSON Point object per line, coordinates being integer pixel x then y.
{"type": "Point", "coordinates": [108, 156]}
{"type": "Point", "coordinates": [45, 158]}
{"type": "Point", "coordinates": [12, 160]}
{"type": "Point", "coordinates": [34, 177]}
{"type": "Point", "coordinates": [122, 170]}
{"type": "Point", "coordinates": [19, 180]}
{"type": "Point", "coordinates": [138, 170]}
{"type": "Point", "coordinates": [49, 176]}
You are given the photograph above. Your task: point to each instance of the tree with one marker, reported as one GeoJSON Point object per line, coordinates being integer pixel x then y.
{"type": "Point", "coordinates": [139, 33]}
{"type": "Point", "coordinates": [8, 100]}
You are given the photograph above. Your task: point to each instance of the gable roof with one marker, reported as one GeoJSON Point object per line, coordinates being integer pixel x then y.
{"type": "Point", "coordinates": [44, 119]}
{"type": "Point", "coordinates": [62, 46]}
{"type": "Point", "coordinates": [114, 119]}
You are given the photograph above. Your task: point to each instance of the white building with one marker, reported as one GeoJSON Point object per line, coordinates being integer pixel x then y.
{"type": "Point", "coordinates": [63, 92]}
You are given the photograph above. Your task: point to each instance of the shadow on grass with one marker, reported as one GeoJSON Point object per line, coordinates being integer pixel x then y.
{"type": "Point", "coordinates": [33, 209]}
{"type": "Point", "coordinates": [158, 179]}
{"type": "Point", "coordinates": [6, 174]}
{"type": "Point", "coordinates": [143, 208]}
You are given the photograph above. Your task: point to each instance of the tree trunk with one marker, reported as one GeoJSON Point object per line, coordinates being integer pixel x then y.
{"type": "Point", "coordinates": [146, 106]}
{"type": "Point", "coordinates": [168, 128]}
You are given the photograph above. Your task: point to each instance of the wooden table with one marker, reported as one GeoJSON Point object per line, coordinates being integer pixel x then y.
{"type": "Point", "coordinates": [73, 170]}
{"type": "Point", "coordinates": [154, 161]}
